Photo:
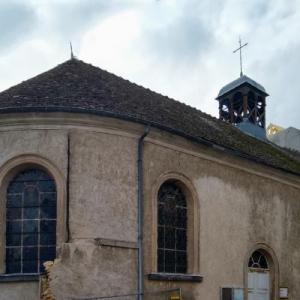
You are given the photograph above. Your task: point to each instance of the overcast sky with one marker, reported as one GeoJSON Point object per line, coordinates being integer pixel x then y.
{"type": "Point", "coordinates": [180, 48]}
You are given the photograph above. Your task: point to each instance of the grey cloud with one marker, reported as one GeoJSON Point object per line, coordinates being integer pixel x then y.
{"type": "Point", "coordinates": [188, 39]}
{"type": "Point", "coordinates": [260, 10]}
{"type": "Point", "coordinates": [69, 19]}
{"type": "Point", "coordinates": [180, 40]}
{"type": "Point", "coordinates": [17, 20]}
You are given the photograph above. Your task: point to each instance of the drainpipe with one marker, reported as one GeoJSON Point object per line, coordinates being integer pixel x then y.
{"type": "Point", "coordinates": [140, 213]}
{"type": "Point", "coordinates": [68, 192]}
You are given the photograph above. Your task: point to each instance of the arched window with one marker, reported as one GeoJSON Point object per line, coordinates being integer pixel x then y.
{"type": "Point", "coordinates": [258, 261]}
{"type": "Point", "coordinates": [30, 222]}
{"type": "Point", "coordinates": [172, 229]}
{"type": "Point", "coordinates": [260, 283]}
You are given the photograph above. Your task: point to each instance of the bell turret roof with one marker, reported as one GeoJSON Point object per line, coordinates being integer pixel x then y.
{"type": "Point", "coordinates": [243, 80]}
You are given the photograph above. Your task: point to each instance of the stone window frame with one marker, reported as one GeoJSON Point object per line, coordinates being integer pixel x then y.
{"type": "Point", "coordinates": [172, 203]}
{"type": "Point", "coordinates": [193, 221]}
{"type": "Point", "coordinates": [8, 171]}
{"type": "Point", "coordinates": [273, 263]}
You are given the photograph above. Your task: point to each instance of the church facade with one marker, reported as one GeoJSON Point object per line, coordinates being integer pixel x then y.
{"type": "Point", "coordinates": [135, 195]}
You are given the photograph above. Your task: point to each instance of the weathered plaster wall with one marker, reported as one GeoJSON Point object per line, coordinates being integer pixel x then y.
{"type": "Point", "coordinates": [19, 291]}
{"type": "Point", "coordinates": [100, 257]}
{"type": "Point", "coordinates": [102, 206]}
{"type": "Point", "coordinates": [87, 270]}
{"type": "Point", "coordinates": [237, 210]}
{"type": "Point", "coordinates": [49, 144]}
{"type": "Point", "coordinates": [102, 186]}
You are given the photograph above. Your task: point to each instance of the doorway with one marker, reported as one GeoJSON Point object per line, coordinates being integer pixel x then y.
{"type": "Point", "coordinates": [259, 277]}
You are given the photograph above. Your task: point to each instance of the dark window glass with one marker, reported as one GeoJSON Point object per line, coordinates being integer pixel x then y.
{"type": "Point", "coordinates": [13, 213]}
{"type": "Point", "coordinates": [31, 196]}
{"type": "Point", "coordinates": [14, 200]}
{"type": "Point", "coordinates": [227, 294]}
{"type": "Point", "coordinates": [47, 239]}
{"type": "Point", "coordinates": [13, 226]}
{"type": "Point", "coordinates": [170, 261]}
{"type": "Point", "coordinates": [181, 262]}
{"type": "Point", "coordinates": [172, 229]}
{"type": "Point", "coordinates": [160, 260]}
{"type": "Point", "coordinates": [13, 239]}
{"type": "Point", "coordinates": [30, 253]}
{"type": "Point", "coordinates": [30, 266]}
{"type": "Point", "coordinates": [161, 237]}
{"type": "Point", "coordinates": [13, 267]}
{"type": "Point", "coordinates": [258, 261]}
{"type": "Point", "coordinates": [31, 226]}
{"type": "Point", "coordinates": [47, 253]}
{"type": "Point", "coordinates": [48, 212]}
{"type": "Point", "coordinates": [181, 239]}
{"type": "Point", "coordinates": [16, 188]}
{"type": "Point", "coordinates": [13, 253]}
{"type": "Point", "coordinates": [170, 241]}
{"type": "Point", "coordinates": [30, 239]}
{"type": "Point", "coordinates": [48, 199]}
{"type": "Point", "coordinates": [31, 213]}
{"type": "Point", "coordinates": [30, 222]}
{"type": "Point", "coordinates": [47, 226]}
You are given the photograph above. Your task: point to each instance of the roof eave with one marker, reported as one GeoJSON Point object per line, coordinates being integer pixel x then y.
{"type": "Point", "coordinates": [171, 130]}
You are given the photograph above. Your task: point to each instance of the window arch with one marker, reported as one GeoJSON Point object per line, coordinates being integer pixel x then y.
{"type": "Point", "coordinates": [258, 261]}
{"type": "Point", "coordinates": [172, 229]}
{"type": "Point", "coordinates": [261, 275]}
{"type": "Point", "coordinates": [31, 208]}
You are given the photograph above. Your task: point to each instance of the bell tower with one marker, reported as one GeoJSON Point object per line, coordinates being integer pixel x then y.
{"type": "Point", "coordinates": [242, 103]}
{"type": "Point", "coordinates": [243, 100]}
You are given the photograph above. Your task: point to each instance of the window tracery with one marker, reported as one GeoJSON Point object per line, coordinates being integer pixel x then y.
{"type": "Point", "coordinates": [172, 229]}
{"type": "Point", "coordinates": [30, 222]}
{"type": "Point", "coordinates": [258, 261]}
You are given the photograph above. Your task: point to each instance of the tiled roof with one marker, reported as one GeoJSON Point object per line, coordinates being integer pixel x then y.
{"type": "Point", "coordinates": [238, 82]}
{"type": "Point", "coordinates": [75, 86]}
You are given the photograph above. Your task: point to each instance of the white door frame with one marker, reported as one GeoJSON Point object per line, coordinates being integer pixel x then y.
{"type": "Point", "coordinates": [273, 268]}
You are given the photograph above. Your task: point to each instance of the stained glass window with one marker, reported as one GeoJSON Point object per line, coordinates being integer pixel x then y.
{"type": "Point", "coordinates": [258, 261]}
{"type": "Point", "coordinates": [172, 229]}
{"type": "Point", "coordinates": [30, 222]}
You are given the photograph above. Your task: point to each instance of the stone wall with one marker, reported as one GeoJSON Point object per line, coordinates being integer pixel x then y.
{"type": "Point", "coordinates": [240, 204]}
{"type": "Point", "coordinates": [239, 209]}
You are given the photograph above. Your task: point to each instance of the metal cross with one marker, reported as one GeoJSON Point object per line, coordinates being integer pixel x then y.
{"type": "Point", "coordinates": [240, 49]}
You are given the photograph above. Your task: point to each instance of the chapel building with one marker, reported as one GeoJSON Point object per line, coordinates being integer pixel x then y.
{"type": "Point", "coordinates": [134, 195]}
